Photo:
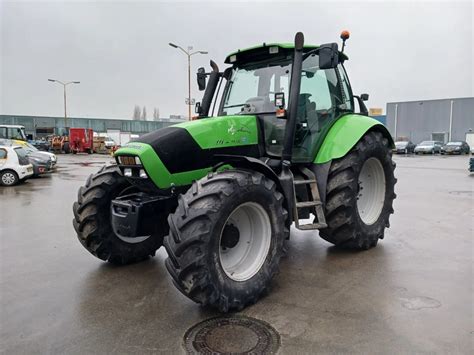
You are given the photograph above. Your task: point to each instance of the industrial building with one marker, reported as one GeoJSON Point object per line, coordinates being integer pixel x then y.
{"type": "Point", "coordinates": [42, 126]}
{"type": "Point", "coordinates": [441, 120]}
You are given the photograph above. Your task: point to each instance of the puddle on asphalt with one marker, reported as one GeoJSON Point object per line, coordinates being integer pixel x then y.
{"type": "Point", "coordinates": [417, 303]}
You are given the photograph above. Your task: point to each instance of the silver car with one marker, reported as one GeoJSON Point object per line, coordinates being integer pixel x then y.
{"type": "Point", "coordinates": [428, 147]}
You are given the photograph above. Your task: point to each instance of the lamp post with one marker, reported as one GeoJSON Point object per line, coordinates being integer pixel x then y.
{"type": "Point", "coordinates": [188, 54]}
{"type": "Point", "coordinates": [64, 87]}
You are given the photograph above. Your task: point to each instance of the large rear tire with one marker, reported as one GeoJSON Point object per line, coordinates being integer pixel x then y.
{"type": "Point", "coordinates": [92, 220]}
{"type": "Point", "coordinates": [226, 239]}
{"type": "Point", "coordinates": [360, 194]}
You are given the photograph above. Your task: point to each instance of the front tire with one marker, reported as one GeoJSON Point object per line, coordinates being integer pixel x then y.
{"type": "Point", "coordinates": [92, 220]}
{"type": "Point", "coordinates": [226, 239]}
{"type": "Point", "coordinates": [360, 194]}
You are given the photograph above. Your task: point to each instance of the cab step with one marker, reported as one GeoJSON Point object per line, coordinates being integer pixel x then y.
{"type": "Point", "coordinates": [314, 202]}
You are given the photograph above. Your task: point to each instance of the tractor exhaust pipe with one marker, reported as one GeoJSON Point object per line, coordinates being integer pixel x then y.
{"type": "Point", "coordinates": [214, 77]}
{"type": "Point", "coordinates": [286, 176]}
{"type": "Point", "coordinates": [293, 99]}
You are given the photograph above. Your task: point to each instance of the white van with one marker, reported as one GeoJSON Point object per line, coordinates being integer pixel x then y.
{"type": "Point", "coordinates": [12, 132]}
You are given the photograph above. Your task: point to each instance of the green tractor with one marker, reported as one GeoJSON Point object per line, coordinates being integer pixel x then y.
{"type": "Point", "coordinates": [220, 193]}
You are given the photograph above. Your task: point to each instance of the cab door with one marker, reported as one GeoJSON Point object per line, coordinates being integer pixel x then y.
{"type": "Point", "coordinates": [321, 101]}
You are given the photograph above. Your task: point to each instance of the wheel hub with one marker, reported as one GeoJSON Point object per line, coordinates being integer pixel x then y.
{"type": "Point", "coordinates": [230, 236]}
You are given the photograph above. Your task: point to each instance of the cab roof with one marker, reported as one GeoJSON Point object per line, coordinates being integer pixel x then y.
{"type": "Point", "coordinates": [264, 49]}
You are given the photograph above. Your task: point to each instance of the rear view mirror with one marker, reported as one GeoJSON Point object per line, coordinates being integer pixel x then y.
{"type": "Point", "coordinates": [328, 56]}
{"type": "Point", "coordinates": [201, 78]}
{"type": "Point", "coordinates": [364, 97]}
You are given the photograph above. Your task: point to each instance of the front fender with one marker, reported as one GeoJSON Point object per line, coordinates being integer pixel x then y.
{"type": "Point", "coordinates": [344, 135]}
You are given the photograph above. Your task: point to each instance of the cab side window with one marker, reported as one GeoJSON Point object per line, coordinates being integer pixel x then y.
{"type": "Point", "coordinates": [348, 100]}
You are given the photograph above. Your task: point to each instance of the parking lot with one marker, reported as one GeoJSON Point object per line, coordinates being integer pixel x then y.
{"type": "Point", "coordinates": [411, 294]}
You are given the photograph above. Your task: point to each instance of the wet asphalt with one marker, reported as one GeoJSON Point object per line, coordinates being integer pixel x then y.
{"type": "Point", "coordinates": [413, 293]}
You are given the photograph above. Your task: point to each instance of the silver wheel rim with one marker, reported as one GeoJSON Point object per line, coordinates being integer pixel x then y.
{"type": "Point", "coordinates": [243, 260]}
{"type": "Point", "coordinates": [371, 196]}
{"type": "Point", "coordinates": [8, 178]}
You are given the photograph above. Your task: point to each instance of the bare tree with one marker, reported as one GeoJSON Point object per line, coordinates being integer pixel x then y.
{"type": "Point", "coordinates": [144, 114]}
{"type": "Point", "coordinates": [136, 113]}
{"type": "Point", "coordinates": [156, 114]}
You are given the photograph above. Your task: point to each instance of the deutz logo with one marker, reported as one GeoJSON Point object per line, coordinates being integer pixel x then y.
{"type": "Point", "coordinates": [232, 130]}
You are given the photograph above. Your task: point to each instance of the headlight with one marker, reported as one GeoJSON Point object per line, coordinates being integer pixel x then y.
{"type": "Point", "coordinates": [137, 161]}
{"type": "Point", "coordinates": [127, 172]}
{"type": "Point", "coordinates": [143, 174]}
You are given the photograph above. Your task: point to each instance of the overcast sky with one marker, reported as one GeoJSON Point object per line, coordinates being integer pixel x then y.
{"type": "Point", "coordinates": [119, 51]}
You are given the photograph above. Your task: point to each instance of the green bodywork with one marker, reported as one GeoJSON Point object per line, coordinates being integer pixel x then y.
{"type": "Point", "coordinates": [233, 131]}
{"type": "Point", "coordinates": [216, 132]}
{"type": "Point", "coordinates": [224, 131]}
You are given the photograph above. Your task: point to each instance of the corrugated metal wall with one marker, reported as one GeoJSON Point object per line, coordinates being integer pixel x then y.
{"type": "Point", "coordinates": [32, 124]}
{"type": "Point", "coordinates": [418, 120]}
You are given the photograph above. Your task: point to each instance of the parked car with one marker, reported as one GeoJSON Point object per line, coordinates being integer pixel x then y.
{"type": "Point", "coordinates": [455, 148]}
{"type": "Point", "coordinates": [41, 144]}
{"type": "Point", "coordinates": [404, 147]}
{"type": "Point", "coordinates": [32, 150]}
{"type": "Point", "coordinates": [14, 165]}
{"type": "Point", "coordinates": [428, 147]}
{"type": "Point", "coordinates": [109, 142]}
{"type": "Point", "coordinates": [41, 161]}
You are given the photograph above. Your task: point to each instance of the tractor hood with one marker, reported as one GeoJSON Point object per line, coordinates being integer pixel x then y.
{"type": "Point", "coordinates": [171, 154]}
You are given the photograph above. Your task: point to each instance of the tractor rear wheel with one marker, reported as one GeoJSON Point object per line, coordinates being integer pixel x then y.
{"type": "Point", "coordinates": [360, 194]}
{"type": "Point", "coordinates": [226, 239]}
{"type": "Point", "coordinates": [92, 220]}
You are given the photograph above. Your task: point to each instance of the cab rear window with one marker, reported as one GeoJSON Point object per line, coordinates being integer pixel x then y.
{"type": "Point", "coordinates": [3, 154]}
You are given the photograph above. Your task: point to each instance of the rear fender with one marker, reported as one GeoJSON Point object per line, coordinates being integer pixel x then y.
{"type": "Point", "coordinates": [344, 135]}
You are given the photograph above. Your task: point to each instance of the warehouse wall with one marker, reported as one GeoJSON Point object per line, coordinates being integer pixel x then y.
{"type": "Point", "coordinates": [56, 124]}
{"type": "Point", "coordinates": [417, 120]}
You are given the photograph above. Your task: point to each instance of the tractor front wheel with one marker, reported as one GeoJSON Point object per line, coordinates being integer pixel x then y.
{"type": "Point", "coordinates": [92, 220]}
{"type": "Point", "coordinates": [226, 239]}
{"type": "Point", "coordinates": [360, 194]}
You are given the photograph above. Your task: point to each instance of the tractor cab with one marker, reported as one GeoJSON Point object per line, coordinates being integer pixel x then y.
{"type": "Point", "coordinates": [258, 83]}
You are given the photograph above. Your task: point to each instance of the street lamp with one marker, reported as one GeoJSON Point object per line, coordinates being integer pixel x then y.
{"type": "Point", "coordinates": [189, 54]}
{"type": "Point", "coordinates": [64, 87]}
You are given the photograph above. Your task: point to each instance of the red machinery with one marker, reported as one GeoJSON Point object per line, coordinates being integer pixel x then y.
{"type": "Point", "coordinates": [81, 140]}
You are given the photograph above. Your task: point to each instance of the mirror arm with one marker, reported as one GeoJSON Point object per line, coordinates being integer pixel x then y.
{"type": "Point", "coordinates": [362, 107]}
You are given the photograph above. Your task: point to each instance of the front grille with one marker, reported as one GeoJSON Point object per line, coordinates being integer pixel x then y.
{"type": "Point", "coordinates": [127, 160]}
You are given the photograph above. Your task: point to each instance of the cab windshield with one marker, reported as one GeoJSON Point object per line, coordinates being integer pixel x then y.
{"type": "Point", "coordinates": [251, 88]}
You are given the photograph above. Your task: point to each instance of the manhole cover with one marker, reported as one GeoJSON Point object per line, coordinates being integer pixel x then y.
{"type": "Point", "coordinates": [232, 335]}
